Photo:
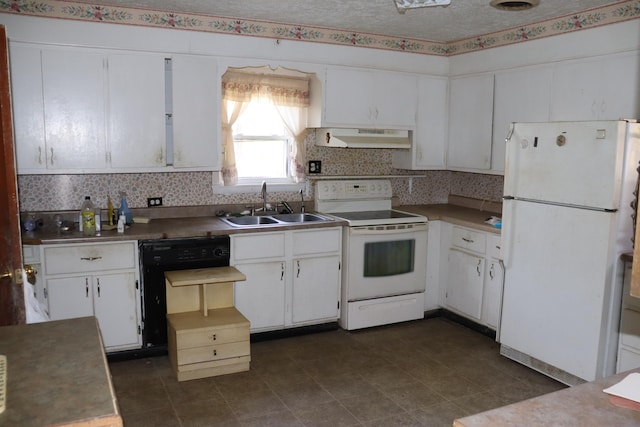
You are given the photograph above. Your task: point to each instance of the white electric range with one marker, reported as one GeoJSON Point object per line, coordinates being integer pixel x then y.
{"type": "Point", "coordinates": [384, 253]}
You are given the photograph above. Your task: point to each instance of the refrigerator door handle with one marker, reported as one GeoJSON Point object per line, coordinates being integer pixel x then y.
{"type": "Point", "coordinates": [507, 228]}
{"type": "Point", "coordinates": [510, 134]}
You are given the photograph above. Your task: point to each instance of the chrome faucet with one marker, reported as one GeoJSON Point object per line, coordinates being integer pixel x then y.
{"type": "Point", "coordinates": [302, 201]}
{"type": "Point", "coordinates": [263, 192]}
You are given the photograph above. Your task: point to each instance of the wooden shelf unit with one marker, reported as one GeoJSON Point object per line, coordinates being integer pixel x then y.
{"type": "Point", "coordinates": [206, 334]}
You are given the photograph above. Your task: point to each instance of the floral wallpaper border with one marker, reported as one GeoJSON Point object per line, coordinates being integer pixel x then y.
{"type": "Point", "coordinates": [85, 11]}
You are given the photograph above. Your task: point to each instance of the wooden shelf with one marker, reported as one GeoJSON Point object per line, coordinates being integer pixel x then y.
{"type": "Point", "coordinates": [206, 334]}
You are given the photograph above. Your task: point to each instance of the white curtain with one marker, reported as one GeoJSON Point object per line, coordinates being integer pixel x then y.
{"type": "Point", "coordinates": [295, 120]}
{"type": "Point", "coordinates": [290, 95]}
{"type": "Point", "coordinates": [231, 110]}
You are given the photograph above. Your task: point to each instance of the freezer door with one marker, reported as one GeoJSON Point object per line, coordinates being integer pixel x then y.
{"type": "Point", "coordinates": [575, 163]}
{"type": "Point", "coordinates": [559, 286]}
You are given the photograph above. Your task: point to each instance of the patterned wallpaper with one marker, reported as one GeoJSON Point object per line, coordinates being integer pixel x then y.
{"type": "Point", "coordinates": [66, 192]}
{"type": "Point", "coordinates": [85, 11]}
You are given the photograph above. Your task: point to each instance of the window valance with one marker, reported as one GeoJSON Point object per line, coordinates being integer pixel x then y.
{"type": "Point", "coordinates": [242, 86]}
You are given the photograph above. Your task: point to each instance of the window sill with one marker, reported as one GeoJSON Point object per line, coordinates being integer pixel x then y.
{"type": "Point", "coordinates": [255, 188]}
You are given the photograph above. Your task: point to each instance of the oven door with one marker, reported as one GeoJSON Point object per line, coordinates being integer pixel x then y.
{"type": "Point", "coordinates": [385, 260]}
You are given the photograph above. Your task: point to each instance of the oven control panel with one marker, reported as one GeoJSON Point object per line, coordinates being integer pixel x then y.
{"type": "Point", "coordinates": [354, 189]}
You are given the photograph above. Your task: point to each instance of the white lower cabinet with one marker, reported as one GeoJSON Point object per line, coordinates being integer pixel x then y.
{"type": "Point", "coordinates": [96, 280]}
{"type": "Point", "coordinates": [465, 283]}
{"type": "Point", "coordinates": [474, 279]}
{"type": "Point", "coordinates": [293, 277]}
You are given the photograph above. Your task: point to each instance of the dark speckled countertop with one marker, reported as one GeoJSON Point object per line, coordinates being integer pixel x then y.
{"type": "Point", "coordinates": [190, 222]}
{"type": "Point", "coordinates": [582, 405]}
{"type": "Point", "coordinates": [57, 374]}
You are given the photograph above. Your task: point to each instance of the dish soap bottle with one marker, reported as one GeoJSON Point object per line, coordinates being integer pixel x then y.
{"type": "Point", "coordinates": [124, 209]}
{"type": "Point", "coordinates": [110, 211]}
{"type": "Point", "coordinates": [88, 214]}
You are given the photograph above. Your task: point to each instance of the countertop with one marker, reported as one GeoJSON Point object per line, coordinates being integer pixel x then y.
{"type": "Point", "coordinates": [57, 374]}
{"type": "Point", "coordinates": [582, 405]}
{"type": "Point", "coordinates": [460, 215]}
{"type": "Point", "coordinates": [206, 226]}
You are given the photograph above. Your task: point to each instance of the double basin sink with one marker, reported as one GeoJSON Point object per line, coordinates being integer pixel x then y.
{"type": "Point", "coordinates": [276, 219]}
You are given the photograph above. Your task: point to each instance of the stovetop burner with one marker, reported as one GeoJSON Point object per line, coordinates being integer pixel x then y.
{"type": "Point", "coordinates": [377, 215]}
{"type": "Point", "coordinates": [365, 202]}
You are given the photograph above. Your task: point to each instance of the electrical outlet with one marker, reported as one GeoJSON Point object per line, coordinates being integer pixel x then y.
{"type": "Point", "coordinates": [315, 166]}
{"type": "Point", "coordinates": [152, 202]}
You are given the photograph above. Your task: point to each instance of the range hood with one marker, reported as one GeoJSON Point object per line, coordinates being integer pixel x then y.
{"type": "Point", "coordinates": [363, 138]}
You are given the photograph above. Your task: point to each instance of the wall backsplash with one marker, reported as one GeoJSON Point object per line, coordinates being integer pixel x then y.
{"type": "Point", "coordinates": [66, 192]}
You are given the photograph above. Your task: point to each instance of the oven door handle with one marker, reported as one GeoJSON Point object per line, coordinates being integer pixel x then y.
{"type": "Point", "coordinates": [387, 229]}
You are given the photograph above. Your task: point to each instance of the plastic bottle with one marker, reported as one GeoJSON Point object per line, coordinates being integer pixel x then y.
{"type": "Point", "coordinates": [88, 214]}
{"type": "Point", "coordinates": [121, 221]}
{"type": "Point", "coordinates": [124, 209]}
{"type": "Point", "coordinates": [111, 214]}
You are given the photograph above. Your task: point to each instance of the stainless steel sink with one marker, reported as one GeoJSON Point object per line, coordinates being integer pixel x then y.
{"type": "Point", "coordinates": [300, 217]}
{"type": "Point", "coordinates": [276, 219]}
{"type": "Point", "coordinates": [243, 221]}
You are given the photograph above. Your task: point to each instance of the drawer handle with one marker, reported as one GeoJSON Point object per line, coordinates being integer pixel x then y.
{"type": "Point", "coordinates": [215, 352]}
{"type": "Point", "coordinates": [467, 240]}
{"type": "Point", "coordinates": [213, 337]}
{"type": "Point", "coordinates": [92, 258]}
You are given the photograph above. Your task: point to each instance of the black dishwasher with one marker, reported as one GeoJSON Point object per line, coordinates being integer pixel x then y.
{"type": "Point", "coordinates": [158, 256]}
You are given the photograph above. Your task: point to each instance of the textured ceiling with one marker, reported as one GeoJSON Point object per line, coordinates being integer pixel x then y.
{"type": "Point", "coordinates": [460, 20]}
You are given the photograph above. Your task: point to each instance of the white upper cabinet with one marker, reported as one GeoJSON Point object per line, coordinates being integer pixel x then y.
{"type": "Point", "coordinates": [82, 110]}
{"type": "Point", "coordinates": [606, 88]}
{"type": "Point", "coordinates": [59, 109]}
{"type": "Point", "coordinates": [196, 112]}
{"type": "Point", "coordinates": [470, 122]}
{"type": "Point", "coordinates": [26, 83]}
{"type": "Point", "coordinates": [365, 98]}
{"type": "Point", "coordinates": [137, 131]}
{"type": "Point", "coordinates": [430, 137]}
{"type": "Point", "coordinates": [520, 96]}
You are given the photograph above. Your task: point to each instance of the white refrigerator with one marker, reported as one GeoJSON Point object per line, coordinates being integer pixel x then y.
{"type": "Point", "coordinates": [567, 218]}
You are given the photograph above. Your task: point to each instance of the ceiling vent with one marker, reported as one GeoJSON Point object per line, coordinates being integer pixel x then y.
{"type": "Point", "coordinates": [514, 5]}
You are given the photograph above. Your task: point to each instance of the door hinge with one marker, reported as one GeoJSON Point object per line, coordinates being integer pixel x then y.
{"type": "Point", "coordinates": [139, 330]}
{"type": "Point", "coordinates": [137, 285]}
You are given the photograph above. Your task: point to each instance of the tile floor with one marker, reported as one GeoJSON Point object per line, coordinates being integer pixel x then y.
{"type": "Point", "coordinates": [422, 373]}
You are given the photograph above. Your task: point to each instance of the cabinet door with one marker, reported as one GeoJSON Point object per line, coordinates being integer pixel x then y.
{"type": "Point", "coordinates": [260, 298]}
{"type": "Point", "coordinates": [115, 302]}
{"type": "Point", "coordinates": [137, 110]}
{"type": "Point", "coordinates": [74, 109]}
{"type": "Point", "coordinates": [430, 137]}
{"type": "Point", "coordinates": [464, 283]}
{"type": "Point", "coordinates": [395, 100]}
{"type": "Point", "coordinates": [470, 122]}
{"type": "Point", "coordinates": [349, 98]}
{"type": "Point", "coordinates": [316, 288]}
{"type": "Point", "coordinates": [28, 105]}
{"type": "Point", "coordinates": [196, 116]}
{"type": "Point", "coordinates": [520, 96]}
{"type": "Point", "coordinates": [602, 89]}
{"type": "Point", "coordinates": [492, 299]}
{"type": "Point", "coordinates": [70, 297]}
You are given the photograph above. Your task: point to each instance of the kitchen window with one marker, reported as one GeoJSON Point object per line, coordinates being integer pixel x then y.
{"type": "Point", "coordinates": [263, 127]}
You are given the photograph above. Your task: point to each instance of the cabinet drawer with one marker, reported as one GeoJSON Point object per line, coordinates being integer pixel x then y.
{"type": "Point", "coordinates": [468, 239]}
{"type": "Point", "coordinates": [89, 258]}
{"type": "Point", "coordinates": [494, 246]}
{"type": "Point", "coordinates": [31, 254]}
{"type": "Point", "coordinates": [317, 241]}
{"type": "Point", "coordinates": [213, 352]}
{"type": "Point", "coordinates": [257, 246]}
{"type": "Point", "coordinates": [211, 337]}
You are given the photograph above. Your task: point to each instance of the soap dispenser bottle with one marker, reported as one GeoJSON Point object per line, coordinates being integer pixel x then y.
{"type": "Point", "coordinates": [88, 215]}
{"type": "Point", "coordinates": [124, 209]}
